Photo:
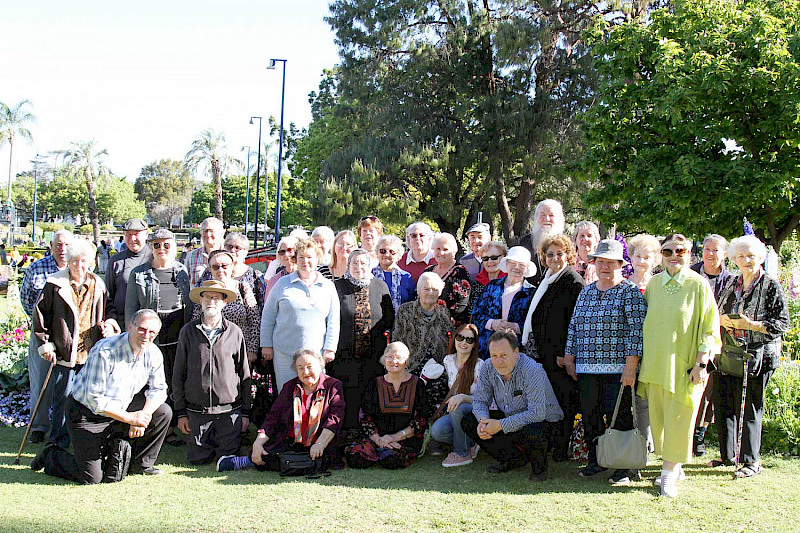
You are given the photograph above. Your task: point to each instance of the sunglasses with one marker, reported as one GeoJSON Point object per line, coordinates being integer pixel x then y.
{"type": "Point", "coordinates": [218, 266]}
{"type": "Point", "coordinates": [462, 338]}
{"type": "Point", "coordinates": [679, 252]}
{"type": "Point", "coordinates": [385, 251]}
{"type": "Point", "coordinates": [159, 245]}
{"type": "Point", "coordinates": [286, 251]}
{"type": "Point", "coordinates": [491, 257]}
{"type": "Point", "coordinates": [373, 218]}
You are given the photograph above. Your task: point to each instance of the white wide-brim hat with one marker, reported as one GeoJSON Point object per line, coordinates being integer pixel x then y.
{"type": "Point", "coordinates": [519, 254]}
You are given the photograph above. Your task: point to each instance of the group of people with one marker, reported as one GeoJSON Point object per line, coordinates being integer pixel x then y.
{"type": "Point", "coordinates": [374, 352]}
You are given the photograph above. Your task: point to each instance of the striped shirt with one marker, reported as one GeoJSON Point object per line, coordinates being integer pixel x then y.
{"type": "Point", "coordinates": [113, 375]}
{"type": "Point", "coordinates": [34, 281]}
{"type": "Point", "coordinates": [526, 397]}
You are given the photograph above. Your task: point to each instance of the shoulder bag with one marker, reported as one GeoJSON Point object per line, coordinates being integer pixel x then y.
{"type": "Point", "coordinates": [622, 449]}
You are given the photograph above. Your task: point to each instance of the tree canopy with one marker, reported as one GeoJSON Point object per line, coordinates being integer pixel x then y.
{"type": "Point", "coordinates": [165, 187]}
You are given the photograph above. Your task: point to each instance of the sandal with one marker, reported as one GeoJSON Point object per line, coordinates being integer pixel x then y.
{"type": "Point", "coordinates": [716, 463]}
{"type": "Point", "coordinates": [748, 471]}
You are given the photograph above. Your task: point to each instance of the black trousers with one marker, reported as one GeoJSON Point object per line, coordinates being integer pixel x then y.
{"type": "Point", "coordinates": [566, 391]}
{"type": "Point", "coordinates": [89, 434]}
{"type": "Point", "coordinates": [528, 444]}
{"type": "Point", "coordinates": [727, 406]}
{"type": "Point", "coordinates": [598, 396]}
{"type": "Point", "coordinates": [212, 436]}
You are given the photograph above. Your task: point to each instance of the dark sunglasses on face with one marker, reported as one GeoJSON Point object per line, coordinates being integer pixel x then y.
{"type": "Point", "coordinates": [158, 245]}
{"type": "Point", "coordinates": [679, 252]}
{"type": "Point", "coordinates": [286, 251]}
{"type": "Point", "coordinates": [218, 266]}
{"type": "Point", "coordinates": [491, 257]}
{"type": "Point", "coordinates": [385, 251]}
{"type": "Point", "coordinates": [462, 338]}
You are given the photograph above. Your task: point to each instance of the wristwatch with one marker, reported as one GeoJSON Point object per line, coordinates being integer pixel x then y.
{"type": "Point", "coordinates": [700, 365]}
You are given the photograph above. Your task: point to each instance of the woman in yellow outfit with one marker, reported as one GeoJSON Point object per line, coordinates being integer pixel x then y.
{"type": "Point", "coordinates": [681, 336]}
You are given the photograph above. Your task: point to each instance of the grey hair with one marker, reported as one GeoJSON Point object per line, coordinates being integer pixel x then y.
{"type": "Point", "coordinates": [81, 248]}
{"type": "Point", "coordinates": [396, 347]}
{"type": "Point", "coordinates": [748, 241]}
{"type": "Point", "coordinates": [324, 232]}
{"type": "Point", "coordinates": [313, 353]}
{"type": "Point", "coordinates": [212, 221]}
{"type": "Point", "coordinates": [449, 238]}
{"type": "Point", "coordinates": [586, 224]}
{"type": "Point", "coordinates": [65, 232]}
{"type": "Point", "coordinates": [719, 239]}
{"type": "Point", "coordinates": [147, 313]}
{"type": "Point", "coordinates": [238, 238]}
{"type": "Point", "coordinates": [289, 240]}
{"type": "Point", "coordinates": [355, 253]}
{"type": "Point", "coordinates": [431, 277]}
{"type": "Point", "coordinates": [414, 225]}
{"type": "Point", "coordinates": [556, 206]}
{"type": "Point", "coordinates": [391, 241]}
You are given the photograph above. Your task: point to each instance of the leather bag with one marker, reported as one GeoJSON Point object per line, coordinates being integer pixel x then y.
{"type": "Point", "coordinates": [622, 449]}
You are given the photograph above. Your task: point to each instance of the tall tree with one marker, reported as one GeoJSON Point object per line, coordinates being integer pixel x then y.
{"type": "Point", "coordinates": [85, 159]}
{"type": "Point", "coordinates": [12, 125]}
{"type": "Point", "coordinates": [165, 186]}
{"type": "Point", "coordinates": [208, 155]}
{"type": "Point", "coordinates": [697, 121]}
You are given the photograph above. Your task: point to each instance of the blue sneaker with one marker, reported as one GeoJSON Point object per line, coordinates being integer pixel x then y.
{"type": "Point", "coordinates": [228, 463]}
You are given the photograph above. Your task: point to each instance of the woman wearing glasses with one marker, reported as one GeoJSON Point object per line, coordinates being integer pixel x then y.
{"type": "Point", "coordinates": [400, 282]}
{"type": "Point", "coordinates": [162, 284]}
{"type": "Point", "coordinates": [463, 367]}
{"type": "Point", "coordinates": [681, 336]}
{"type": "Point", "coordinates": [238, 245]}
{"type": "Point", "coordinates": [491, 253]}
{"type": "Point", "coordinates": [286, 263]}
{"type": "Point", "coordinates": [546, 326]}
{"type": "Point", "coordinates": [343, 244]}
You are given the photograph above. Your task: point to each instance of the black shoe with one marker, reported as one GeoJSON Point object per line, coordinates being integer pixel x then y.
{"type": "Point", "coordinates": [591, 469]}
{"type": "Point", "coordinates": [624, 476]}
{"type": "Point", "coordinates": [505, 466]}
{"type": "Point", "coordinates": [36, 436]}
{"type": "Point", "coordinates": [38, 461]}
{"type": "Point", "coordinates": [149, 471]}
{"type": "Point", "coordinates": [173, 440]}
{"type": "Point", "coordinates": [699, 442]}
{"type": "Point", "coordinates": [536, 478]}
{"type": "Point", "coordinates": [559, 456]}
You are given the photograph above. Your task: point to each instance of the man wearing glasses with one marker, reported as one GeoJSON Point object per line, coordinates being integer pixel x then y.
{"type": "Point", "coordinates": [419, 238]}
{"type": "Point", "coordinates": [120, 265]}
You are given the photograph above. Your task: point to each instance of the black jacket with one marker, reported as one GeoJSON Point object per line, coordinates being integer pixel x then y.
{"type": "Point", "coordinates": [211, 380]}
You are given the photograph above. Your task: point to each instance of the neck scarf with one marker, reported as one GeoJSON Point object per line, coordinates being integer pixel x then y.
{"type": "Point", "coordinates": [364, 282]}
{"type": "Point", "coordinates": [305, 427]}
{"type": "Point", "coordinates": [549, 279]}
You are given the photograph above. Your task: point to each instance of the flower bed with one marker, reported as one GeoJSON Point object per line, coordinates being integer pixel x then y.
{"type": "Point", "coordinates": [14, 409]}
{"type": "Point", "coordinates": [782, 411]}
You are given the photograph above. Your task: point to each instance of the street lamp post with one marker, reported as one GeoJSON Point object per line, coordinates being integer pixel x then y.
{"type": "Point", "coordinates": [247, 193]}
{"type": "Point", "coordinates": [272, 63]}
{"type": "Point", "coordinates": [35, 184]}
{"type": "Point", "coordinates": [258, 185]}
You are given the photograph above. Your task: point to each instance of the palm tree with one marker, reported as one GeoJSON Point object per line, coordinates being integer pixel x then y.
{"type": "Point", "coordinates": [12, 124]}
{"type": "Point", "coordinates": [85, 158]}
{"type": "Point", "coordinates": [209, 153]}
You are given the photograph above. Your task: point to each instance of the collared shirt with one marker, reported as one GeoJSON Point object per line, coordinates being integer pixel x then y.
{"type": "Point", "coordinates": [113, 375]}
{"type": "Point", "coordinates": [34, 281]}
{"type": "Point", "coordinates": [679, 278]}
{"type": "Point", "coordinates": [196, 264]}
{"type": "Point", "coordinates": [526, 397]}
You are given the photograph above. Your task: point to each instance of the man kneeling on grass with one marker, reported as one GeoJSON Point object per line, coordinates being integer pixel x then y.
{"type": "Point", "coordinates": [211, 378]}
{"type": "Point", "coordinates": [114, 422]}
{"type": "Point", "coordinates": [519, 431]}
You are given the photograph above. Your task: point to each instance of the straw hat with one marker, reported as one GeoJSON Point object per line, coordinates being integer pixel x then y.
{"type": "Point", "coordinates": [212, 285]}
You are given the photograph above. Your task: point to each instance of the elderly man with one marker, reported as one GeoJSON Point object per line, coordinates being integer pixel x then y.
{"type": "Point", "coordinates": [211, 378]}
{"type": "Point", "coordinates": [478, 235]}
{"type": "Point", "coordinates": [110, 407]}
{"type": "Point", "coordinates": [519, 430]}
{"type": "Point", "coordinates": [419, 256]}
{"type": "Point", "coordinates": [32, 285]}
{"type": "Point", "coordinates": [120, 266]}
{"type": "Point", "coordinates": [548, 220]}
{"type": "Point", "coordinates": [212, 233]}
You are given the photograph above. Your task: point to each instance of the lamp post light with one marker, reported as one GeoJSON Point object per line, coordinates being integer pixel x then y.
{"type": "Point", "coordinates": [36, 162]}
{"type": "Point", "coordinates": [272, 64]}
{"type": "Point", "coordinates": [247, 193]}
{"type": "Point", "coordinates": [258, 185]}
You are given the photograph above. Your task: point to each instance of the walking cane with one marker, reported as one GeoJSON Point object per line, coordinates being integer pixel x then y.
{"type": "Point", "coordinates": [33, 414]}
{"type": "Point", "coordinates": [740, 425]}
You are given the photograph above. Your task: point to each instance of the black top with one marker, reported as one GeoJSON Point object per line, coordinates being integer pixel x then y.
{"type": "Point", "coordinates": [117, 271]}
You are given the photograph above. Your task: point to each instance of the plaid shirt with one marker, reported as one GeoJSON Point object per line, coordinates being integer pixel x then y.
{"type": "Point", "coordinates": [113, 375]}
{"type": "Point", "coordinates": [34, 281]}
{"type": "Point", "coordinates": [196, 264]}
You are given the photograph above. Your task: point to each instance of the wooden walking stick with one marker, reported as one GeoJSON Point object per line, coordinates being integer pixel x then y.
{"type": "Point", "coordinates": [33, 414]}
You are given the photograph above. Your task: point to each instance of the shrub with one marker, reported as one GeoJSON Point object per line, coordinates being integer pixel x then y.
{"type": "Point", "coordinates": [13, 354]}
{"type": "Point", "coordinates": [86, 229]}
{"type": "Point", "coordinates": [781, 426]}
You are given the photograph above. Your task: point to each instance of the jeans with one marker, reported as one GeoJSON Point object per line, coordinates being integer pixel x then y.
{"type": "Point", "coordinates": [448, 429]}
{"type": "Point", "coordinates": [37, 371]}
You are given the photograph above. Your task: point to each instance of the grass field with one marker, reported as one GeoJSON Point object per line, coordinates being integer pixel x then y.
{"type": "Point", "coordinates": [424, 497]}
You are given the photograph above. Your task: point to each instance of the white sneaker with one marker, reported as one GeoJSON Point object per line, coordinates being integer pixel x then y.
{"type": "Point", "coordinates": [669, 485]}
{"type": "Point", "coordinates": [474, 451]}
{"type": "Point", "coordinates": [681, 477]}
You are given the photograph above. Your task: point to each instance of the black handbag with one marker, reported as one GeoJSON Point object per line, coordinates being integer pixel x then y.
{"type": "Point", "coordinates": [300, 464]}
{"type": "Point", "coordinates": [116, 460]}
{"type": "Point", "coordinates": [733, 358]}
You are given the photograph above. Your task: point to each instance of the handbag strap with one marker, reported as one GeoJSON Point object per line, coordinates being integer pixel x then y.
{"type": "Point", "coordinates": [633, 407]}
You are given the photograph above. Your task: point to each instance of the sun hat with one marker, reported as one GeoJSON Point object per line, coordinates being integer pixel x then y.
{"type": "Point", "coordinates": [609, 249]}
{"type": "Point", "coordinates": [212, 285]}
{"type": "Point", "coordinates": [519, 254]}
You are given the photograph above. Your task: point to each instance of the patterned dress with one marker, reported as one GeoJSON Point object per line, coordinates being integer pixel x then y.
{"type": "Point", "coordinates": [456, 292]}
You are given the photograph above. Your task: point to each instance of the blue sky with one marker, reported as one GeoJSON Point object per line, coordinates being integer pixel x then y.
{"type": "Point", "coordinates": [145, 78]}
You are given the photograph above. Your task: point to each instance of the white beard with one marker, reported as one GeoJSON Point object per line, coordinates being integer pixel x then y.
{"type": "Point", "coordinates": [540, 233]}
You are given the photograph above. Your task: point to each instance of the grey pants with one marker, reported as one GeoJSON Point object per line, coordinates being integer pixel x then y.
{"type": "Point", "coordinates": [212, 436]}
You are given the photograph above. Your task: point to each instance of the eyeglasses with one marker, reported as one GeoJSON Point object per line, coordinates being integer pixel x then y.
{"type": "Point", "coordinates": [679, 252]}
{"type": "Point", "coordinates": [285, 251]}
{"type": "Point", "coordinates": [417, 235]}
{"type": "Point", "coordinates": [212, 297]}
{"type": "Point", "coordinates": [218, 266]}
{"type": "Point", "coordinates": [373, 218]}
{"type": "Point", "coordinates": [159, 245]}
{"type": "Point", "coordinates": [462, 338]}
{"type": "Point", "coordinates": [491, 257]}
{"type": "Point", "coordinates": [234, 248]}
{"type": "Point", "coordinates": [551, 255]}
{"type": "Point", "coordinates": [385, 251]}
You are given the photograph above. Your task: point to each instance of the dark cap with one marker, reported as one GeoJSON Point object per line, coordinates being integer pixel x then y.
{"type": "Point", "coordinates": [161, 234]}
{"type": "Point", "coordinates": [481, 227]}
{"type": "Point", "coordinates": [134, 224]}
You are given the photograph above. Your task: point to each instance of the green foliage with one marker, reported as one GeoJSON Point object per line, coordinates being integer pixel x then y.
{"type": "Point", "coordinates": [165, 187]}
{"type": "Point", "coordinates": [782, 411]}
{"type": "Point", "coordinates": [14, 353]}
{"type": "Point", "coordinates": [208, 155]}
{"type": "Point", "coordinates": [86, 229]}
{"type": "Point", "coordinates": [672, 97]}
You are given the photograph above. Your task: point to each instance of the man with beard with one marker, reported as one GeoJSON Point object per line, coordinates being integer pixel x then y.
{"type": "Point", "coordinates": [120, 265]}
{"type": "Point", "coordinates": [548, 219]}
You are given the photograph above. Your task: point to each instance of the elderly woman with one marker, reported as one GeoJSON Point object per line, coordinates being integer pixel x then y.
{"type": "Point", "coordinates": [370, 229]}
{"type": "Point", "coordinates": [491, 253]}
{"type": "Point", "coordinates": [504, 303]}
{"type": "Point", "coordinates": [681, 336]}
{"type": "Point", "coordinates": [365, 316]}
{"type": "Point", "coordinates": [457, 285]}
{"type": "Point", "coordinates": [162, 284]}
{"type": "Point", "coordinates": [546, 326]}
{"type": "Point", "coordinates": [604, 346]}
{"type": "Point", "coordinates": [394, 413]}
{"type": "Point", "coordinates": [645, 253]}
{"type": "Point", "coordinates": [237, 244]}
{"type": "Point", "coordinates": [306, 417]}
{"type": "Point", "coordinates": [323, 235]}
{"type": "Point", "coordinates": [68, 318]}
{"type": "Point", "coordinates": [301, 311]}
{"type": "Point", "coordinates": [463, 367]}
{"type": "Point", "coordinates": [343, 244]}
{"type": "Point", "coordinates": [400, 283]}
{"type": "Point", "coordinates": [586, 237]}
{"type": "Point", "coordinates": [763, 318]}
{"type": "Point", "coordinates": [286, 261]}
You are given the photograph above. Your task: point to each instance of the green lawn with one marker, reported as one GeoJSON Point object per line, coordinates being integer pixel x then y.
{"type": "Point", "coordinates": [424, 497]}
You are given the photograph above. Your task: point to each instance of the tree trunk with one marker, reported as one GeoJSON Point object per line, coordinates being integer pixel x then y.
{"type": "Point", "coordinates": [10, 156]}
{"type": "Point", "coordinates": [524, 205]}
{"type": "Point", "coordinates": [496, 173]}
{"type": "Point", "coordinates": [217, 173]}
{"type": "Point", "coordinates": [93, 217]}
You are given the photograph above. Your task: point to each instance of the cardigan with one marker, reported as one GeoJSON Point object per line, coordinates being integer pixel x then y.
{"type": "Point", "coordinates": [490, 306]}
